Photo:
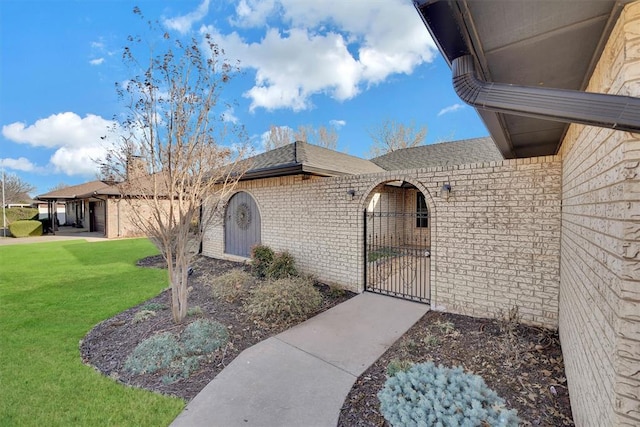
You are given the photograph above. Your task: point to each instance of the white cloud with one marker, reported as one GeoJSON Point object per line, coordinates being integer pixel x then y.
{"type": "Point", "coordinates": [450, 109]}
{"type": "Point", "coordinates": [229, 116]}
{"type": "Point", "coordinates": [183, 23]}
{"type": "Point", "coordinates": [77, 141]}
{"type": "Point", "coordinates": [19, 164]}
{"type": "Point", "coordinates": [96, 61]}
{"type": "Point", "coordinates": [337, 123]}
{"type": "Point", "coordinates": [334, 47]}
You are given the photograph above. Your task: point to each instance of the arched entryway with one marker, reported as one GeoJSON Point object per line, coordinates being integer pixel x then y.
{"type": "Point", "coordinates": [397, 236]}
{"type": "Point", "coordinates": [241, 225]}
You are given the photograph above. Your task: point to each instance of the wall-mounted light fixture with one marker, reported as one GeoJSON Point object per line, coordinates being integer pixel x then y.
{"type": "Point", "coordinates": [352, 193]}
{"type": "Point", "coordinates": [445, 191]}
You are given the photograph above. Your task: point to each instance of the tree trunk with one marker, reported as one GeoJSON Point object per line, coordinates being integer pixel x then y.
{"type": "Point", "coordinates": [179, 291]}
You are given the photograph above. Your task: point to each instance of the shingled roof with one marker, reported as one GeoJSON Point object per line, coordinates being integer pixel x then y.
{"type": "Point", "coordinates": [301, 157]}
{"type": "Point", "coordinates": [476, 150]}
{"type": "Point", "coordinates": [81, 191]}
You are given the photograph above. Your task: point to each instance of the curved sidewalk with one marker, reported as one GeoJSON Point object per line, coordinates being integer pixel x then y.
{"type": "Point", "coordinates": [302, 376]}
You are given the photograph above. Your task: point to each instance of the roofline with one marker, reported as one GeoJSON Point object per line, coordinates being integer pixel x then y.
{"type": "Point", "coordinates": [445, 21]}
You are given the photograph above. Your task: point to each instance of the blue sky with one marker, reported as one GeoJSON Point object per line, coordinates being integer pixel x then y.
{"type": "Point", "coordinates": [347, 64]}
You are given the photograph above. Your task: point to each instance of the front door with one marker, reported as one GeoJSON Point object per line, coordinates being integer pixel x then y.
{"type": "Point", "coordinates": [241, 225]}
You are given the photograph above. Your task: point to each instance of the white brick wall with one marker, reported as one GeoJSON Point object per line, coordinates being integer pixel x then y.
{"type": "Point", "coordinates": [494, 241]}
{"type": "Point", "coordinates": [600, 269]}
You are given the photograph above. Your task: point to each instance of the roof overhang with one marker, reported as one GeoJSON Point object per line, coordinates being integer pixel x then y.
{"type": "Point", "coordinates": [548, 44]}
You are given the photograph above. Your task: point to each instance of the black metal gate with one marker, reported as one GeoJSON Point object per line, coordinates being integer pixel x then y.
{"type": "Point", "coordinates": [397, 257]}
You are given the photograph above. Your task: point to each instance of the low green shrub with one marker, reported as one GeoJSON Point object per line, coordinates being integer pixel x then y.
{"type": "Point", "coordinates": [25, 228]}
{"type": "Point", "coordinates": [336, 292]}
{"type": "Point", "coordinates": [178, 358]}
{"type": "Point", "coordinates": [283, 265]}
{"type": "Point", "coordinates": [143, 315]}
{"type": "Point", "coordinates": [18, 214]}
{"type": "Point", "coordinates": [232, 286]}
{"type": "Point", "coordinates": [397, 365]}
{"type": "Point", "coordinates": [153, 354]}
{"type": "Point", "coordinates": [181, 368]}
{"type": "Point", "coordinates": [194, 311]}
{"type": "Point", "coordinates": [446, 327]}
{"type": "Point", "coordinates": [204, 336]}
{"type": "Point", "coordinates": [154, 306]}
{"type": "Point", "coordinates": [428, 395]}
{"type": "Point", "coordinates": [283, 301]}
{"type": "Point", "coordinates": [261, 259]}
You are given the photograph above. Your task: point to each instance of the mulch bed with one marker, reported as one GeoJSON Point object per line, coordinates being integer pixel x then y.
{"type": "Point", "coordinates": [523, 364]}
{"type": "Point", "coordinates": [107, 346]}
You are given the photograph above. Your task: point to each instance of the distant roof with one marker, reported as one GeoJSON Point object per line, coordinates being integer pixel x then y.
{"type": "Point", "coordinates": [476, 150]}
{"type": "Point", "coordinates": [301, 157]}
{"type": "Point", "coordinates": [81, 191]}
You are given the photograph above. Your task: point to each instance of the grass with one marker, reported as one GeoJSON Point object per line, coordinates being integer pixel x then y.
{"type": "Point", "coordinates": [51, 295]}
{"type": "Point", "coordinates": [382, 253]}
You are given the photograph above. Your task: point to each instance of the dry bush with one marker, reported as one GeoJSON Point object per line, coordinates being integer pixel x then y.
{"type": "Point", "coordinates": [232, 286]}
{"type": "Point", "coordinates": [284, 301]}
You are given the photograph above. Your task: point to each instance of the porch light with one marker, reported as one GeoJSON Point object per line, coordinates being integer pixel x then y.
{"type": "Point", "coordinates": [445, 191]}
{"type": "Point", "coordinates": [352, 193]}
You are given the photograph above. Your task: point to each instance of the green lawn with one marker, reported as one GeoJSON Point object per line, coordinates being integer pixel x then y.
{"type": "Point", "coordinates": [51, 295]}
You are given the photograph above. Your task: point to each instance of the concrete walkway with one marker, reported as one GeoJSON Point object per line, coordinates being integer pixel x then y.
{"type": "Point", "coordinates": [302, 376]}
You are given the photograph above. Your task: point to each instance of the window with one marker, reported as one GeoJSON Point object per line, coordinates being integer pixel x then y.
{"type": "Point", "coordinates": [422, 213]}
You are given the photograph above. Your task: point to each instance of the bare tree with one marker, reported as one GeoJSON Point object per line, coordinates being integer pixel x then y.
{"type": "Point", "coordinates": [391, 136]}
{"type": "Point", "coordinates": [279, 136]}
{"type": "Point", "coordinates": [322, 136]}
{"type": "Point", "coordinates": [16, 190]}
{"type": "Point", "coordinates": [177, 159]}
{"type": "Point", "coordinates": [59, 186]}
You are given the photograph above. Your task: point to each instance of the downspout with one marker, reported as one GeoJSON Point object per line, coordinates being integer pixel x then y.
{"type": "Point", "coordinates": [595, 109]}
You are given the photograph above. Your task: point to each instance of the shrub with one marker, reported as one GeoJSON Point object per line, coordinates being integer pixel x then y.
{"type": "Point", "coordinates": [17, 214]}
{"type": "Point", "coordinates": [429, 395]}
{"type": "Point", "coordinates": [195, 311]}
{"type": "Point", "coordinates": [283, 265]}
{"type": "Point", "coordinates": [232, 286]}
{"type": "Point", "coordinates": [261, 259]}
{"type": "Point", "coordinates": [153, 354]}
{"type": "Point", "coordinates": [204, 336]}
{"type": "Point", "coordinates": [25, 228]}
{"type": "Point", "coordinates": [284, 301]}
{"type": "Point", "coordinates": [143, 315]}
{"type": "Point", "coordinates": [180, 368]}
{"type": "Point", "coordinates": [154, 306]}
{"type": "Point", "coordinates": [397, 365]}
{"type": "Point", "coordinates": [336, 292]}
{"type": "Point", "coordinates": [445, 327]}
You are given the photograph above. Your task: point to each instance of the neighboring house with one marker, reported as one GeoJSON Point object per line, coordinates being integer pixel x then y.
{"type": "Point", "coordinates": [95, 206]}
{"type": "Point", "coordinates": [553, 229]}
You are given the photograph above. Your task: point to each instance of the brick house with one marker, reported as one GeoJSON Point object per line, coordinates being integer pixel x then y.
{"type": "Point", "coordinates": [95, 206]}
{"type": "Point", "coordinates": [553, 228]}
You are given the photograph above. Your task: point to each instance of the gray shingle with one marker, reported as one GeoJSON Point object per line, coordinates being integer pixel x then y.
{"type": "Point", "coordinates": [301, 157]}
{"type": "Point", "coordinates": [476, 150]}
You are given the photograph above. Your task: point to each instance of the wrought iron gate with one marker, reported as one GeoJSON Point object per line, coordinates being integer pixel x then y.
{"type": "Point", "coordinates": [397, 259]}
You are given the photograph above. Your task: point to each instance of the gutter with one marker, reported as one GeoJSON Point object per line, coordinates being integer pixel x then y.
{"type": "Point", "coordinates": [569, 106]}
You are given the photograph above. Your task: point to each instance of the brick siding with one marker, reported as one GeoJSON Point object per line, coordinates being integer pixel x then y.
{"type": "Point", "coordinates": [495, 241]}
{"type": "Point", "coordinates": [600, 268]}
